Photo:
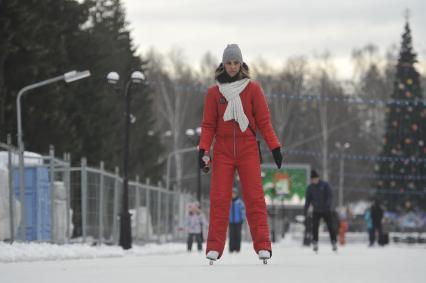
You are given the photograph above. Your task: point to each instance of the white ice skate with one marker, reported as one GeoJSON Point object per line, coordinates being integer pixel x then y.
{"type": "Point", "coordinates": [315, 245]}
{"type": "Point", "coordinates": [212, 256]}
{"type": "Point", "coordinates": [264, 255]}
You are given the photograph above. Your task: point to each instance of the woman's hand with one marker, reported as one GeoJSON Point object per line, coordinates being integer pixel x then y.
{"type": "Point", "coordinates": [278, 158]}
{"type": "Point", "coordinates": [204, 160]}
{"type": "Point", "coordinates": [200, 158]}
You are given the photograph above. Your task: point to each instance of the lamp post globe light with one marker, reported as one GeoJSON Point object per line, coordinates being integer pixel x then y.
{"type": "Point", "coordinates": [190, 132]}
{"type": "Point", "coordinates": [341, 147]}
{"type": "Point", "coordinates": [68, 78]}
{"type": "Point", "coordinates": [113, 78]}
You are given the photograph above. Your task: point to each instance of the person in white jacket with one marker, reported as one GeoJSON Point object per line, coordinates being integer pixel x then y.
{"type": "Point", "coordinates": [194, 227]}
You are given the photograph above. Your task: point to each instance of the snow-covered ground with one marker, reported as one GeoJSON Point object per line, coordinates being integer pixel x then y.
{"type": "Point", "coordinates": [170, 263]}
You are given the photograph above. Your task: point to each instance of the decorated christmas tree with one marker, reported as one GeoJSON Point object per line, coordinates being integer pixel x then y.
{"type": "Point", "coordinates": [401, 173]}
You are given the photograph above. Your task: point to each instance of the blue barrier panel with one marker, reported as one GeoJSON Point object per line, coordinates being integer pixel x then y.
{"type": "Point", "coordinates": [37, 202]}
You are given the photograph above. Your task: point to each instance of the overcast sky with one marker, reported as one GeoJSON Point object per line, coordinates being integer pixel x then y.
{"type": "Point", "coordinates": [274, 29]}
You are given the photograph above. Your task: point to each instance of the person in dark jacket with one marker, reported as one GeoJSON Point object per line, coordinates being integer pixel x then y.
{"type": "Point", "coordinates": [376, 217]}
{"type": "Point", "coordinates": [320, 196]}
{"type": "Point", "coordinates": [236, 219]}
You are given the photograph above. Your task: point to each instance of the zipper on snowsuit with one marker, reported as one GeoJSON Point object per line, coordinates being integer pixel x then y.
{"type": "Point", "coordinates": [235, 155]}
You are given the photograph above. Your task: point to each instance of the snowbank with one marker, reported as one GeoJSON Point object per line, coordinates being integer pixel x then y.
{"type": "Point", "coordinates": [43, 251]}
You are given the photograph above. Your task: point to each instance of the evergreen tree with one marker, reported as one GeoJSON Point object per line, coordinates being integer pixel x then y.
{"type": "Point", "coordinates": [114, 51]}
{"type": "Point", "coordinates": [46, 38]}
{"type": "Point", "coordinates": [402, 177]}
{"type": "Point", "coordinates": [38, 46]}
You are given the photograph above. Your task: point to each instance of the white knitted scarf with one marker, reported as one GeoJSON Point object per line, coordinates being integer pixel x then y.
{"type": "Point", "coordinates": [234, 110]}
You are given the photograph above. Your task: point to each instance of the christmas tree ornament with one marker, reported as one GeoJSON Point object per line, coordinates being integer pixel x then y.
{"type": "Point", "coordinates": [409, 81]}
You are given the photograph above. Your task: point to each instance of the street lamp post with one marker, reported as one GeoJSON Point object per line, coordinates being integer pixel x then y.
{"type": "Point", "coordinates": [68, 78]}
{"type": "Point", "coordinates": [125, 220]}
{"type": "Point", "coordinates": [192, 133]}
{"type": "Point", "coordinates": [341, 147]}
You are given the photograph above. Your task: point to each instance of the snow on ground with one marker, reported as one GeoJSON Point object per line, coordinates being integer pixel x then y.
{"type": "Point", "coordinates": [154, 263]}
{"type": "Point", "coordinates": [43, 251]}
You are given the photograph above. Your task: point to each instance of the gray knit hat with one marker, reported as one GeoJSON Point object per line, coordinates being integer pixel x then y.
{"type": "Point", "coordinates": [232, 52]}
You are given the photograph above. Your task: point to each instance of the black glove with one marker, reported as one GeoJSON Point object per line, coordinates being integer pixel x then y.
{"type": "Point", "coordinates": [276, 153]}
{"type": "Point", "coordinates": [200, 158]}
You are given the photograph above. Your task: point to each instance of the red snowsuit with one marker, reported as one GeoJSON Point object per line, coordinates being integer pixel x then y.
{"type": "Point", "coordinates": [234, 149]}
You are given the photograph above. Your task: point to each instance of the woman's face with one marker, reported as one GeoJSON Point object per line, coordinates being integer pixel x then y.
{"type": "Point", "coordinates": [232, 67]}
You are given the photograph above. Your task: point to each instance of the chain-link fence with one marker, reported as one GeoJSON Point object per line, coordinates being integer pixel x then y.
{"type": "Point", "coordinates": [65, 204]}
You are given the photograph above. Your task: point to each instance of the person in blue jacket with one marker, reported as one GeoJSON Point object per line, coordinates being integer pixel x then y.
{"type": "Point", "coordinates": [369, 223]}
{"type": "Point", "coordinates": [319, 195]}
{"type": "Point", "coordinates": [236, 219]}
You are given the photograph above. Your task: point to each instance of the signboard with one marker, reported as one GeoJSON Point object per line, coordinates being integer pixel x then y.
{"type": "Point", "coordinates": [288, 184]}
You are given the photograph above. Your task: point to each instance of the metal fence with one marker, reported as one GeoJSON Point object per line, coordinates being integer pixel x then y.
{"type": "Point", "coordinates": [157, 214]}
{"type": "Point", "coordinates": [85, 203]}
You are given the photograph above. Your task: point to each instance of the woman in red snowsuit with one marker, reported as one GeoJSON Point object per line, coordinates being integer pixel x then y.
{"type": "Point", "coordinates": [235, 108]}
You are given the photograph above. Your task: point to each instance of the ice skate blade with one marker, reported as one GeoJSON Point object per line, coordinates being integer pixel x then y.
{"type": "Point", "coordinates": [211, 262]}
{"type": "Point", "coordinates": [265, 261]}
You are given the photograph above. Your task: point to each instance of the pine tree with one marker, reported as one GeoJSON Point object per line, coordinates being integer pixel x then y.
{"type": "Point", "coordinates": [401, 173]}
{"type": "Point", "coordinates": [37, 36]}
{"type": "Point", "coordinates": [114, 51]}
{"type": "Point", "coordinates": [46, 38]}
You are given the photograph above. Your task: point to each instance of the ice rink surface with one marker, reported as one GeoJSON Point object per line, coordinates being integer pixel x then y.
{"type": "Point", "coordinates": [290, 263]}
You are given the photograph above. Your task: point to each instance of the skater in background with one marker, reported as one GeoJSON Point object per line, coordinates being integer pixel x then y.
{"type": "Point", "coordinates": [377, 216]}
{"type": "Point", "coordinates": [236, 220]}
{"type": "Point", "coordinates": [235, 108]}
{"type": "Point", "coordinates": [369, 224]}
{"type": "Point", "coordinates": [194, 227]}
{"type": "Point", "coordinates": [319, 195]}
{"type": "Point", "coordinates": [343, 224]}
